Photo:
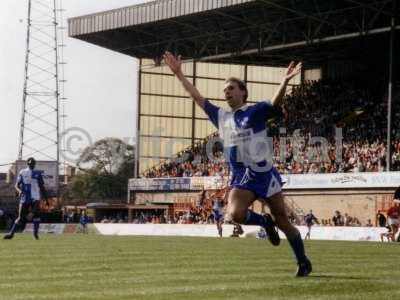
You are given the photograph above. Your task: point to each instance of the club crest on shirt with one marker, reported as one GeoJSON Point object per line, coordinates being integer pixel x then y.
{"type": "Point", "coordinates": [27, 178]}
{"type": "Point", "coordinates": [244, 122]}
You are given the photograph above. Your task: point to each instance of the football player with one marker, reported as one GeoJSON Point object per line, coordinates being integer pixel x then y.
{"type": "Point", "coordinates": [243, 130]}
{"type": "Point", "coordinates": [218, 214]}
{"type": "Point", "coordinates": [30, 188]}
{"type": "Point", "coordinates": [309, 219]}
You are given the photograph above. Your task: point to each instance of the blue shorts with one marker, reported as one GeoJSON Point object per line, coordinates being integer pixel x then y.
{"type": "Point", "coordinates": [262, 184]}
{"type": "Point", "coordinates": [27, 202]}
{"type": "Point", "coordinates": [217, 216]}
{"type": "Point", "coordinates": [30, 206]}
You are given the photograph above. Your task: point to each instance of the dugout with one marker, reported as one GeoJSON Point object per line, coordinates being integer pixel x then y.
{"type": "Point", "coordinates": [363, 203]}
{"type": "Point", "coordinates": [123, 212]}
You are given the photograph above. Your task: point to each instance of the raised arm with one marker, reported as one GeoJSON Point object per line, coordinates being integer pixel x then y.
{"type": "Point", "coordinates": [175, 64]}
{"type": "Point", "coordinates": [291, 71]}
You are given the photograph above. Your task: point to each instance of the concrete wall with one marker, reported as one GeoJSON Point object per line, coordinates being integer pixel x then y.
{"type": "Point", "coordinates": [360, 203]}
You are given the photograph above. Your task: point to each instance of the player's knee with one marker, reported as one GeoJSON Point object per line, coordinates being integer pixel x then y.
{"type": "Point", "coordinates": [228, 218]}
{"type": "Point", "coordinates": [235, 216]}
{"type": "Point", "coordinates": [282, 221]}
{"type": "Point", "coordinates": [239, 216]}
{"type": "Point", "coordinates": [35, 211]}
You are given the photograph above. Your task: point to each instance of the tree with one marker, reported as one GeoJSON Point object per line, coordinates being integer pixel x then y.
{"type": "Point", "coordinates": [107, 156]}
{"type": "Point", "coordinates": [105, 168]}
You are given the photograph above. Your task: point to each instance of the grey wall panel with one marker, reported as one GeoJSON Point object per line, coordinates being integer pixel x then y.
{"type": "Point", "coordinates": [143, 13]}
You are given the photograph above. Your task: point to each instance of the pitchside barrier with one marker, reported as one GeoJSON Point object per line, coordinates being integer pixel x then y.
{"type": "Point", "coordinates": [317, 233]}
{"type": "Point", "coordinates": [59, 228]}
{"type": "Point", "coordinates": [200, 230]}
{"type": "Point", "coordinates": [292, 182]}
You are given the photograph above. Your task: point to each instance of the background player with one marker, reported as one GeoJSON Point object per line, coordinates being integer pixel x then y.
{"type": "Point", "coordinates": [393, 219]}
{"type": "Point", "coordinates": [388, 235]}
{"type": "Point", "coordinates": [309, 219]}
{"type": "Point", "coordinates": [30, 188]}
{"type": "Point", "coordinates": [253, 175]}
{"type": "Point", "coordinates": [83, 222]}
{"type": "Point", "coordinates": [218, 214]}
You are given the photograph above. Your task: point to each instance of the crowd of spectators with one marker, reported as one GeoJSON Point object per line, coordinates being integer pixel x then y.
{"type": "Point", "coordinates": [198, 213]}
{"type": "Point", "coordinates": [312, 109]}
{"type": "Point", "coordinates": [193, 162]}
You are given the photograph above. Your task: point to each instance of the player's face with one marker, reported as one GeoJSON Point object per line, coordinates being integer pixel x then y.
{"type": "Point", "coordinates": [233, 94]}
{"type": "Point", "coordinates": [31, 164]}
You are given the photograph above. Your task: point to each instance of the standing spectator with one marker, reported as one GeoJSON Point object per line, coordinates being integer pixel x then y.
{"type": "Point", "coordinates": [337, 219]}
{"type": "Point", "coordinates": [381, 219]}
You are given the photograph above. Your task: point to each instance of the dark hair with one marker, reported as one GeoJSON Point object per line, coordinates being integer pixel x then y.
{"type": "Point", "coordinates": [30, 160]}
{"type": "Point", "coordinates": [241, 84]}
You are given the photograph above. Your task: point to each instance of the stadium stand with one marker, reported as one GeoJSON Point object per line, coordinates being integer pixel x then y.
{"type": "Point", "coordinates": [313, 108]}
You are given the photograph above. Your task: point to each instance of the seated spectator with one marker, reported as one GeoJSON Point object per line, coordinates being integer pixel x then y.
{"type": "Point", "coordinates": [355, 222]}
{"type": "Point", "coordinates": [369, 223]}
{"type": "Point", "coordinates": [348, 220]}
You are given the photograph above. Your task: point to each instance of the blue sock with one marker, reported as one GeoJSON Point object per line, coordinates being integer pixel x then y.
{"type": "Point", "coordinates": [36, 223]}
{"type": "Point", "coordinates": [254, 219]}
{"type": "Point", "coordinates": [298, 247]}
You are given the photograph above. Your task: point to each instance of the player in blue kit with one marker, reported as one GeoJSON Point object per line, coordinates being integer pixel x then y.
{"type": "Point", "coordinates": [309, 219]}
{"type": "Point", "coordinates": [217, 211]}
{"type": "Point", "coordinates": [83, 222]}
{"type": "Point", "coordinates": [30, 188]}
{"type": "Point", "coordinates": [244, 133]}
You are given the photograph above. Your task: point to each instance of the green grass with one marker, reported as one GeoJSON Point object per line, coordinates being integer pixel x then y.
{"type": "Point", "coordinates": [110, 267]}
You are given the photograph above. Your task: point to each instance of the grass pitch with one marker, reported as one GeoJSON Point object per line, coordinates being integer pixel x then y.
{"type": "Point", "coordinates": [111, 267]}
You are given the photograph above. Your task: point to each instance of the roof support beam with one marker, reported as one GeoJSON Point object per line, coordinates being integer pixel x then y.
{"type": "Point", "coordinates": [371, 7]}
{"type": "Point", "coordinates": [300, 43]}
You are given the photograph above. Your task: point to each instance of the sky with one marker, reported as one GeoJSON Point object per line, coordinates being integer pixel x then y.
{"type": "Point", "coordinates": [100, 83]}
